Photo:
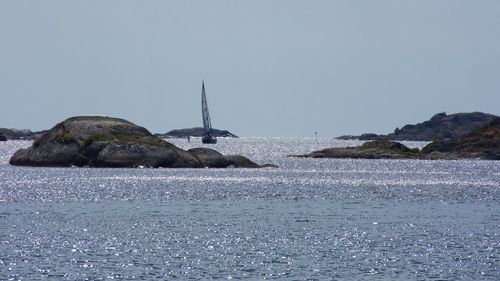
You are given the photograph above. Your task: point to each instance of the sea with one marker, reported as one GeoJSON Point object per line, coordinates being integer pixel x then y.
{"type": "Point", "coordinates": [309, 219]}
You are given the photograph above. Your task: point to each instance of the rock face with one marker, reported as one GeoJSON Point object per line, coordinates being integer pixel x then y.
{"type": "Point", "coordinates": [195, 132]}
{"type": "Point", "coordinates": [2, 137]}
{"type": "Point", "coordinates": [483, 143]}
{"type": "Point", "coordinates": [440, 126]}
{"type": "Point", "coordinates": [95, 141]}
{"type": "Point", "coordinates": [211, 158]}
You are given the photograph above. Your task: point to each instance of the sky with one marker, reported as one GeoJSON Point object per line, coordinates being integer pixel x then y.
{"type": "Point", "coordinates": [271, 67]}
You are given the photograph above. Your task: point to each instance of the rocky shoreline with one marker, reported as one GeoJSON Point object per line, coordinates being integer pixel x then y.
{"type": "Point", "coordinates": [483, 143]}
{"type": "Point", "coordinates": [96, 141]}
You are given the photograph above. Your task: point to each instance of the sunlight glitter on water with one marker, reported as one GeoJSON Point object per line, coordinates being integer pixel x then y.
{"type": "Point", "coordinates": [309, 219]}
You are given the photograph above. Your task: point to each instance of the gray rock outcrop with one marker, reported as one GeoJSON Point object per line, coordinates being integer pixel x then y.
{"type": "Point", "coordinates": [96, 141]}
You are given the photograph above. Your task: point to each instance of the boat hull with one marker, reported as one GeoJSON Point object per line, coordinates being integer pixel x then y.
{"type": "Point", "coordinates": [208, 139]}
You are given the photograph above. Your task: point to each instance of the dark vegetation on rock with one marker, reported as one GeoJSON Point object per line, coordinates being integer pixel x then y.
{"type": "Point", "coordinates": [482, 143]}
{"type": "Point", "coordinates": [195, 132]}
{"type": "Point", "coordinates": [440, 127]}
{"type": "Point", "coordinates": [95, 141]}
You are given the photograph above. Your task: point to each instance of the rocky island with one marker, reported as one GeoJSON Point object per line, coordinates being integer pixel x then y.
{"type": "Point", "coordinates": [483, 143]}
{"type": "Point", "coordinates": [440, 126]}
{"type": "Point", "coordinates": [96, 141]}
{"type": "Point", "coordinates": [368, 150]}
{"type": "Point", "coordinates": [195, 132]}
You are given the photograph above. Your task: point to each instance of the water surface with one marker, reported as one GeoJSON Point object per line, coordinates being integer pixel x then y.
{"type": "Point", "coordinates": [311, 219]}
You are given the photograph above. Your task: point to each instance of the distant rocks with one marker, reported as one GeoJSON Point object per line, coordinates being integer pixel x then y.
{"type": "Point", "coordinates": [15, 134]}
{"type": "Point", "coordinates": [369, 150]}
{"type": "Point", "coordinates": [440, 126]}
{"type": "Point", "coordinates": [2, 137]}
{"type": "Point", "coordinates": [368, 136]}
{"type": "Point", "coordinates": [482, 143]}
{"type": "Point", "coordinates": [195, 132]}
{"type": "Point", "coordinates": [95, 141]}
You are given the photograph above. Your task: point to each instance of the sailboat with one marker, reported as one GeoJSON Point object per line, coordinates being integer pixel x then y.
{"type": "Point", "coordinates": [207, 124]}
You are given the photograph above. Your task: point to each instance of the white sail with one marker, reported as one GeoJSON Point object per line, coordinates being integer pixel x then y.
{"type": "Point", "coordinates": [207, 124]}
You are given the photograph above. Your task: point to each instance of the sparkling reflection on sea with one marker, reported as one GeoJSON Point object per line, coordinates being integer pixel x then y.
{"type": "Point", "coordinates": [310, 219]}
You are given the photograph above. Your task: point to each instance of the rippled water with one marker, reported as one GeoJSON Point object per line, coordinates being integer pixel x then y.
{"type": "Point", "coordinates": [311, 219]}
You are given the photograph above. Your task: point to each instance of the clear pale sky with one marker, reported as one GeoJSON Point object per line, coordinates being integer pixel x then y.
{"type": "Point", "coordinates": [271, 67]}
